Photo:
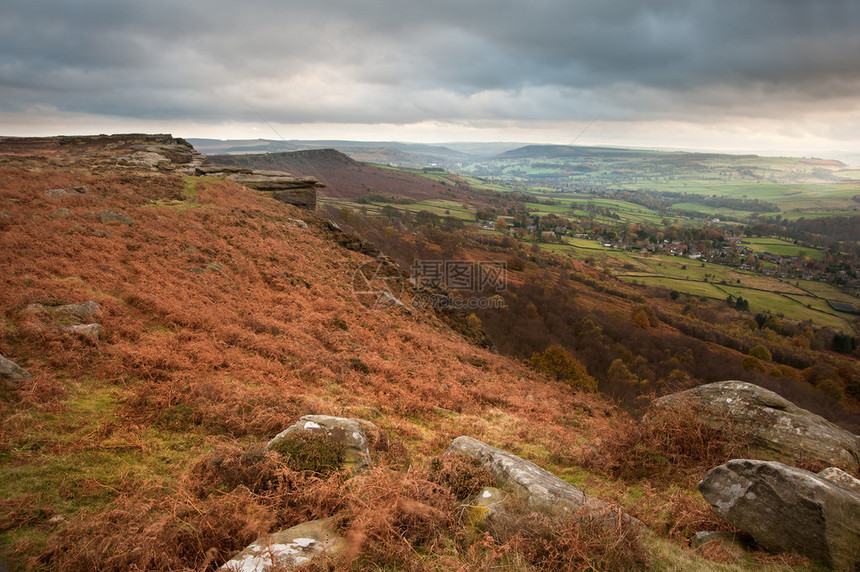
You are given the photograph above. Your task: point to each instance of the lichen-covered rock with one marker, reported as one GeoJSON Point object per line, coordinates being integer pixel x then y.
{"type": "Point", "coordinates": [841, 478]}
{"type": "Point", "coordinates": [9, 370]}
{"type": "Point", "coordinates": [786, 509]}
{"type": "Point", "coordinates": [288, 549]}
{"type": "Point", "coordinates": [781, 430]}
{"type": "Point", "coordinates": [543, 491]}
{"type": "Point", "coordinates": [349, 433]}
{"type": "Point", "coordinates": [485, 505]}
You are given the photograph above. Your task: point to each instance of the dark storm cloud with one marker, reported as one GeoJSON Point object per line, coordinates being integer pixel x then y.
{"type": "Point", "coordinates": [401, 61]}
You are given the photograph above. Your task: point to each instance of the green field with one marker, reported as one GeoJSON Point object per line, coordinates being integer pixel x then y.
{"type": "Point", "coordinates": [795, 299]}
{"type": "Point", "coordinates": [781, 248]}
{"type": "Point", "coordinates": [441, 207]}
{"type": "Point", "coordinates": [579, 205]}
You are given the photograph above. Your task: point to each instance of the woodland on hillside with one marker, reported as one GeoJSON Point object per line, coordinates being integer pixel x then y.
{"type": "Point", "coordinates": [635, 341]}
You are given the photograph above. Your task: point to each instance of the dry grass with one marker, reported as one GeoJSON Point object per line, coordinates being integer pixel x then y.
{"type": "Point", "coordinates": [220, 323]}
{"type": "Point", "coordinates": [575, 543]}
{"type": "Point", "coordinates": [223, 325]}
{"type": "Point", "coordinates": [669, 445]}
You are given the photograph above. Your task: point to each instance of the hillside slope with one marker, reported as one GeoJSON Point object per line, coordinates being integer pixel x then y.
{"type": "Point", "coordinates": [224, 316]}
{"type": "Point", "coordinates": [222, 321]}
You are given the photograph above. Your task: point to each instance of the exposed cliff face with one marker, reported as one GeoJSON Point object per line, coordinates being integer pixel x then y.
{"type": "Point", "coordinates": [281, 186]}
{"type": "Point", "coordinates": [160, 153]}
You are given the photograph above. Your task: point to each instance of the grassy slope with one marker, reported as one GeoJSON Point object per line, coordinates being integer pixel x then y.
{"type": "Point", "coordinates": [223, 324]}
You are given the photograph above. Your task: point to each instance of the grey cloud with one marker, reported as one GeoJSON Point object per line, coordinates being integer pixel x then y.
{"type": "Point", "coordinates": [405, 61]}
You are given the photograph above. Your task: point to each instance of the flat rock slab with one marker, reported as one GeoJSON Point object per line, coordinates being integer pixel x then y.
{"type": "Point", "coordinates": [782, 430]}
{"type": "Point", "coordinates": [288, 549]}
{"type": "Point", "coordinates": [544, 491]}
{"type": "Point", "coordinates": [786, 509]}
{"type": "Point", "coordinates": [348, 432]}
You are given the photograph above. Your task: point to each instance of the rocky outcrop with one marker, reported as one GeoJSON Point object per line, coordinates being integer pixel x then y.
{"type": "Point", "coordinates": [543, 491]}
{"type": "Point", "coordinates": [288, 549]}
{"type": "Point", "coordinates": [284, 187]}
{"type": "Point", "coordinates": [786, 509]}
{"type": "Point", "coordinates": [11, 371]}
{"type": "Point", "coordinates": [349, 433]}
{"type": "Point", "coordinates": [157, 153]}
{"type": "Point", "coordinates": [781, 430]}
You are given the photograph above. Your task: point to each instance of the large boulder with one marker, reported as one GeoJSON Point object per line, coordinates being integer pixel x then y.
{"type": "Point", "coordinates": [349, 433]}
{"type": "Point", "coordinates": [9, 370]}
{"type": "Point", "coordinates": [543, 491]}
{"type": "Point", "coordinates": [288, 549]}
{"type": "Point", "coordinates": [786, 509]}
{"type": "Point", "coordinates": [779, 429]}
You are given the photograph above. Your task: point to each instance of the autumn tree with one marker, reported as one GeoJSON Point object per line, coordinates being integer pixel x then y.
{"type": "Point", "coordinates": [560, 364]}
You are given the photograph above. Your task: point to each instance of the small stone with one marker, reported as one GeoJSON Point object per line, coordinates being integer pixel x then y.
{"type": "Point", "coordinates": [288, 548]}
{"type": "Point", "coordinates": [486, 505]}
{"type": "Point", "coordinates": [92, 331]}
{"type": "Point", "coordinates": [56, 193]}
{"type": "Point", "coordinates": [61, 213]}
{"type": "Point", "coordinates": [111, 217]}
{"type": "Point", "coordinates": [11, 370]}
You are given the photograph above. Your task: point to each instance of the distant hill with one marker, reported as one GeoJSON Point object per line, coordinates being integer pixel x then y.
{"type": "Point", "coordinates": [567, 151]}
{"type": "Point", "coordinates": [411, 155]}
{"type": "Point", "coordinates": [344, 177]}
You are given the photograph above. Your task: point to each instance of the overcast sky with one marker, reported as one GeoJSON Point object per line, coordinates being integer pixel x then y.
{"type": "Point", "coordinates": [771, 75]}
